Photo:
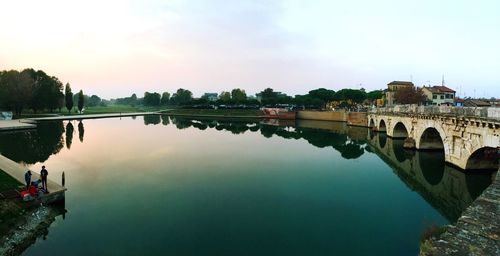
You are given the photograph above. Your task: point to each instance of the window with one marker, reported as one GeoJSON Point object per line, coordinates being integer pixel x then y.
{"type": "Point", "coordinates": [442, 96]}
{"type": "Point", "coordinates": [434, 96]}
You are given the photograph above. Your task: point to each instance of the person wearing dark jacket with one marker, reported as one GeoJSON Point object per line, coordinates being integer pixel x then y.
{"type": "Point", "coordinates": [43, 174]}
{"type": "Point", "coordinates": [27, 178]}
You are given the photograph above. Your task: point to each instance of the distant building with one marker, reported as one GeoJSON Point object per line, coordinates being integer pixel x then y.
{"type": "Point", "coordinates": [210, 96]}
{"type": "Point", "coordinates": [392, 87]}
{"type": "Point", "coordinates": [458, 102]}
{"type": "Point", "coordinates": [476, 103]}
{"type": "Point", "coordinates": [439, 95]}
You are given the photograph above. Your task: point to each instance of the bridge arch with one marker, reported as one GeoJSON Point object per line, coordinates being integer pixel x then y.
{"type": "Point", "coordinates": [431, 139]}
{"type": "Point", "coordinates": [400, 131]}
{"type": "Point", "coordinates": [485, 158]}
{"type": "Point", "coordinates": [382, 127]}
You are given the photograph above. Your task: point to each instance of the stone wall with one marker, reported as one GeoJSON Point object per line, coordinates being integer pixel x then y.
{"type": "Point", "coordinates": [339, 116]}
{"type": "Point", "coordinates": [357, 119]}
{"type": "Point", "coordinates": [477, 232]}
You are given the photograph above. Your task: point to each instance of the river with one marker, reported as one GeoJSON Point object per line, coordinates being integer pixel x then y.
{"type": "Point", "coordinates": [179, 186]}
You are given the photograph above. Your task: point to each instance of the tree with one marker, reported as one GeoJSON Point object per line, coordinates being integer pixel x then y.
{"type": "Point", "coordinates": [151, 99]}
{"type": "Point", "coordinates": [182, 97]}
{"type": "Point", "coordinates": [409, 95]}
{"type": "Point", "coordinates": [268, 96]}
{"type": "Point", "coordinates": [93, 101]}
{"type": "Point", "coordinates": [350, 94]}
{"type": "Point", "coordinates": [80, 101]}
{"type": "Point", "coordinates": [374, 95]}
{"type": "Point", "coordinates": [225, 97]}
{"type": "Point", "coordinates": [323, 94]}
{"type": "Point", "coordinates": [16, 90]}
{"type": "Point", "coordinates": [165, 98]}
{"type": "Point", "coordinates": [238, 95]}
{"type": "Point", "coordinates": [68, 96]}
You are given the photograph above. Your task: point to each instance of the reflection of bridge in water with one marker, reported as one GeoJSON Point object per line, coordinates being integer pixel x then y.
{"type": "Point", "coordinates": [446, 188]}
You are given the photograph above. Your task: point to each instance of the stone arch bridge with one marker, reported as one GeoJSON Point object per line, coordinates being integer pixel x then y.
{"type": "Point", "coordinates": [470, 137]}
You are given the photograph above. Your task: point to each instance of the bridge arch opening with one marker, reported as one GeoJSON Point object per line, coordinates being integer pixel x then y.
{"type": "Point", "coordinates": [400, 131]}
{"type": "Point", "coordinates": [485, 158]}
{"type": "Point", "coordinates": [431, 140]}
{"type": "Point", "coordinates": [381, 126]}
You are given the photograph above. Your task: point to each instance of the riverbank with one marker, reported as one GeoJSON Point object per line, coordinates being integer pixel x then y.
{"type": "Point", "coordinates": [26, 227]}
{"type": "Point", "coordinates": [18, 124]}
{"type": "Point", "coordinates": [477, 231]}
{"type": "Point", "coordinates": [21, 223]}
{"type": "Point", "coordinates": [224, 113]}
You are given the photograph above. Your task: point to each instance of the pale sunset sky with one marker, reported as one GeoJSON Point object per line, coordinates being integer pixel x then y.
{"type": "Point", "coordinates": [116, 48]}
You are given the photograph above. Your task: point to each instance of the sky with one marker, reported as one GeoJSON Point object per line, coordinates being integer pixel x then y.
{"type": "Point", "coordinates": [114, 48]}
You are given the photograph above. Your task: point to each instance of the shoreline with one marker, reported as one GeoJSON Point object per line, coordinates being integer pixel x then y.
{"type": "Point", "coordinates": [30, 226]}
{"type": "Point", "coordinates": [476, 232]}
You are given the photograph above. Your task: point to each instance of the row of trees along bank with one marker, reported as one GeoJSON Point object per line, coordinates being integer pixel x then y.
{"type": "Point", "coordinates": [317, 98]}
{"type": "Point", "coordinates": [35, 90]}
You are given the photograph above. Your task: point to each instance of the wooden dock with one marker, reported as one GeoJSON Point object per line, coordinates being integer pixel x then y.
{"type": "Point", "coordinates": [17, 171]}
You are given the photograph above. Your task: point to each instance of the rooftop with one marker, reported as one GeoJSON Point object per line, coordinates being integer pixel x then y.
{"type": "Point", "coordinates": [439, 89]}
{"type": "Point", "coordinates": [400, 83]}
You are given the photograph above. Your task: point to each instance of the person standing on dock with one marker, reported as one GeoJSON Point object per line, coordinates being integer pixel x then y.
{"type": "Point", "coordinates": [27, 178]}
{"type": "Point", "coordinates": [43, 174]}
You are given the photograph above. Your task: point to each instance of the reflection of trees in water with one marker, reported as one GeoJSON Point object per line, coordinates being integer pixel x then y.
{"type": "Point", "coordinates": [81, 131]}
{"type": "Point", "coordinates": [69, 134]}
{"type": "Point", "coordinates": [152, 119]}
{"type": "Point", "coordinates": [165, 120]}
{"type": "Point", "coordinates": [349, 149]}
{"type": "Point", "coordinates": [33, 146]}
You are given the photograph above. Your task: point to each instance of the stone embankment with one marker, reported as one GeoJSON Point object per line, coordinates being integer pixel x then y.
{"type": "Point", "coordinates": [35, 224]}
{"type": "Point", "coordinates": [20, 124]}
{"type": "Point", "coordinates": [477, 232]}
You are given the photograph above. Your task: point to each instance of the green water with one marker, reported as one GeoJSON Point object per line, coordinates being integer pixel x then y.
{"type": "Point", "coordinates": [156, 185]}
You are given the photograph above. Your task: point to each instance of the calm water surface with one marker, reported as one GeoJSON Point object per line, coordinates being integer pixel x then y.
{"type": "Point", "coordinates": [160, 185]}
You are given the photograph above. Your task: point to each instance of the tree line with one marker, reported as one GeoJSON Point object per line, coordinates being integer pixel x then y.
{"type": "Point", "coordinates": [313, 99]}
{"type": "Point", "coordinates": [38, 91]}
{"type": "Point", "coordinates": [35, 90]}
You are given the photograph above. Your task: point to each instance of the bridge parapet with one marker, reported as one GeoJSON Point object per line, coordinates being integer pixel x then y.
{"type": "Point", "coordinates": [490, 113]}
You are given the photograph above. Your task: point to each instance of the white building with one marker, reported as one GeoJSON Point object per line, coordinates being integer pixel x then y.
{"type": "Point", "coordinates": [439, 95]}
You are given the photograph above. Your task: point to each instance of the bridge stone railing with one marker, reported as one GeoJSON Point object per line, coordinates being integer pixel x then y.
{"type": "Point", "coordinates": [478, 112]}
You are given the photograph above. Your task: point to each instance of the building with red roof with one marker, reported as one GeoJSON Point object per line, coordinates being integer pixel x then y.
{"type": "Point", "coordinates": [439, 95]}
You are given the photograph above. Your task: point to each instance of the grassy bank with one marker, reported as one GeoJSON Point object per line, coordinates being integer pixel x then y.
{"type": "Point", "coordinates": [95, 110]}
{"type": "Point", "coordinates": [11, 210]}
{"type": "Point", "coordinates": [163, 109]}
{"type": "Point", "coordinates": [216, 112]}
{"type": "Point", "coordinates": [7, 182]}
